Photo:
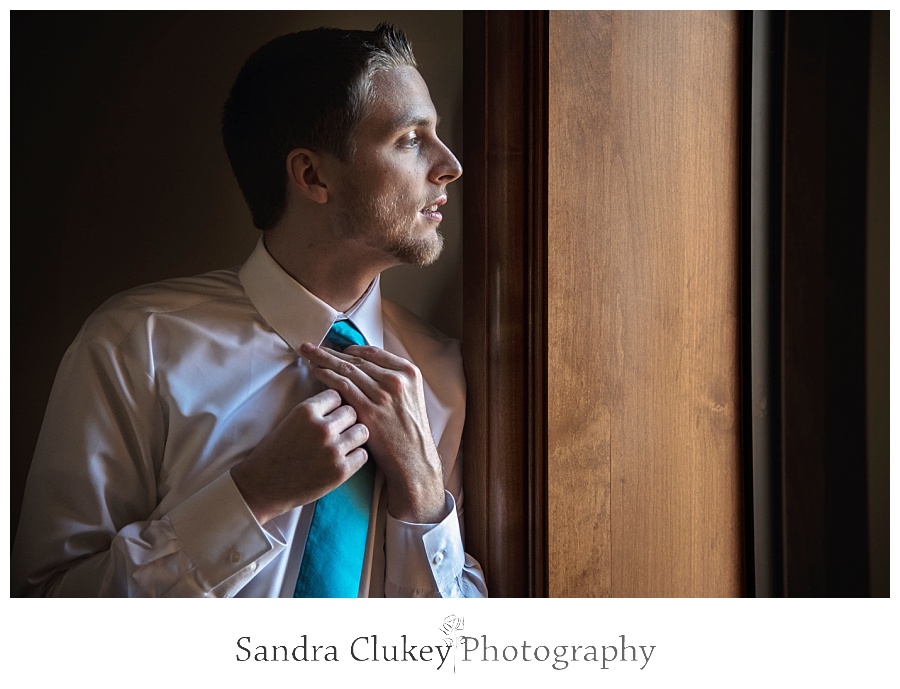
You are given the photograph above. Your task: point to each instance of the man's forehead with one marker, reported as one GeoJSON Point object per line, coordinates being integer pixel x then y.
{"type": "Point", "coordinates": [401, 100]}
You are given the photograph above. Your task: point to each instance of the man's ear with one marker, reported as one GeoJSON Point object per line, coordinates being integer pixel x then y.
{"type": "Point", "coordinates": [304, 169]}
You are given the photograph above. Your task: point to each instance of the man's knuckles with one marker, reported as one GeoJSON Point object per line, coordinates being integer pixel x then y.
{"type": "Point", "coordinates": [394, 384]}
{"type": "Point", "coordinates": [317, 405]}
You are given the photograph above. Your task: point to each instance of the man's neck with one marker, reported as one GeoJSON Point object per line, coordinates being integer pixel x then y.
{"type": "Point", "coordinates": [326, 272]}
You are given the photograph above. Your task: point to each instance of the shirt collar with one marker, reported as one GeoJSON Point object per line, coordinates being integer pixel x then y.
{"type": "Point", "coordinates": [297, 314]}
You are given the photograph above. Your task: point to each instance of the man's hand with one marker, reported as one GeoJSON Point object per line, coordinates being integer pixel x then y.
{"type": "Point", "coordinates": [314, 449]}
{"type": "Point", "coordinates": [386, 392]}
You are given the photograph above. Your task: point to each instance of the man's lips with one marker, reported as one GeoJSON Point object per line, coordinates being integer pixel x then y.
{"type": "Point", "coordinates": [431, 211]}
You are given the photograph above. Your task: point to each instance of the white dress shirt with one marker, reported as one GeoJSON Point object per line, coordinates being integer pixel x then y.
{"type": "Point", "coordinates": [166, 388]}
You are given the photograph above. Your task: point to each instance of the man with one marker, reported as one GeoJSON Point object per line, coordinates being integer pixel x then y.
{"type": "Point", "coordinates": [199, 434]}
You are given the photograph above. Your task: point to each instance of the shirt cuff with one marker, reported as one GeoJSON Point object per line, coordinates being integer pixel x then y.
{"type": "Point", "coordinates": [425, 559]}
{"type": "Point", "coordinates": [221, 536]}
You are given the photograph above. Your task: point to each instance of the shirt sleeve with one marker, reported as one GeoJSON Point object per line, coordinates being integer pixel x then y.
{"type": "Point", "coordinates": [89, 525]}
{"type": "Point", "coordinates": [429, 561]}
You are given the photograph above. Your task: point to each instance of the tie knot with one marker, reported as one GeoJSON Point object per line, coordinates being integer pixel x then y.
{"type": "Point", "coordinates": [343, 334]}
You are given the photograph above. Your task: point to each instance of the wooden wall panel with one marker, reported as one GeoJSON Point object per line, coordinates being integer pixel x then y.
{"type": "Point", "coordinates": [644, 495]}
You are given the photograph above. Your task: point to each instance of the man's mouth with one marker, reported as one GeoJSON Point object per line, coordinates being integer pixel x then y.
{"type": "Point", "coordinates": [432, 210]}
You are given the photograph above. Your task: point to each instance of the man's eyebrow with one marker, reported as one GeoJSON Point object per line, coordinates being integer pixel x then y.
{"type": "Point", "coordinates": [414, 121]}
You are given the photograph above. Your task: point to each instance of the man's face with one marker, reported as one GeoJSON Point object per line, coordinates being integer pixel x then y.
{"type": "Point", "coordinates": [389, 195]}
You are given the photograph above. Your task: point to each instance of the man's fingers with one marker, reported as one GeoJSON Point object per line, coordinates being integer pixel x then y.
{"type": "Point", "coordinates": [357, 458]}
{"type": "Point", "coordinates": [353, 453]}
{"type": "Point", "coordinates": [344, 373]}
{"type": "Point", "coordinates": [378, 356]}
{"type": "Point", "coordinates": [323, 403]}
{"type": "Point", "coordinates": [372, 362]}
{"type": "Point", "coordinates": [354, 438]}
{"type": "Point", "coordinates": [342, 418]}
{"type": "Point", "coordinates": [345, 387]}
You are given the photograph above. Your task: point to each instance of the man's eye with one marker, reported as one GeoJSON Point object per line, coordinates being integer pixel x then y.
{"type": "Point", "coordinates": [410, 141]}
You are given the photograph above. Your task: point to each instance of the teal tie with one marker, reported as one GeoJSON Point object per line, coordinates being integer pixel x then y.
{"type": "Point", "coordinates": [333, 556]}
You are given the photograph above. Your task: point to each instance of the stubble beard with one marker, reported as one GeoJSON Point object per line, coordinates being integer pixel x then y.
{"type": "Point", "coordinates": [416, 251]}
{"type": "Point", "coordinates": [379, 224]}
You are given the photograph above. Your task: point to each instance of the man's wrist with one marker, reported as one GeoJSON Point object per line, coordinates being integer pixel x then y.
{"type": "Point", "coordinates": [262, 512]}
{"type": "Point", "coordinates": [419, 502]}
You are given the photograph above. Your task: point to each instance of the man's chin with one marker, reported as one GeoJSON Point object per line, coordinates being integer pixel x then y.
{"type": "Point", "coordinates": [422, 252]}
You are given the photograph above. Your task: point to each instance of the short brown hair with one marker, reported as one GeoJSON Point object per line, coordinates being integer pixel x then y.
{"type": "Point", "coordinates": [309, 89]}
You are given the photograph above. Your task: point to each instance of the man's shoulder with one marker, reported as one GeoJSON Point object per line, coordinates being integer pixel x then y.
{"type": "Point", "coordinates": [121, 313]}
{"type": "Point", "coordinates": [438, 356]}
{"type": "Point", "coordinates": [409, 328]}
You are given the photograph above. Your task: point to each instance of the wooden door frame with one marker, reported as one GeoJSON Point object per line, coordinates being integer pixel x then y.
{"type": "Point", "coordinates": [505, 278]}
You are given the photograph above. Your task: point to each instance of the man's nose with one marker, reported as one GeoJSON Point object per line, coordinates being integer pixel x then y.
{"type": "Point", "coordinates": [448, 168]}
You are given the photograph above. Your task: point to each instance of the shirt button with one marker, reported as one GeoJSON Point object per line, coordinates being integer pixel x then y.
{"type": "Point", "coordinates": [235, 556]}
{"type": "Point", "coordinates": [438, 558]}
{"type": "Point", "coordinates": [252, 566]}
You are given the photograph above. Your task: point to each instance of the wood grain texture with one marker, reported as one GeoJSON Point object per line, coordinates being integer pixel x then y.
{"type": "Point", "coordinates": [643, 351]}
